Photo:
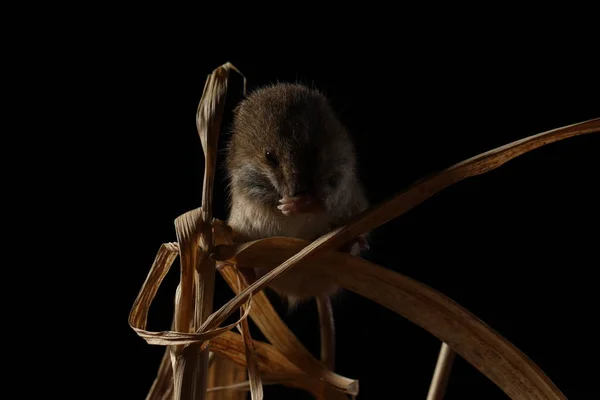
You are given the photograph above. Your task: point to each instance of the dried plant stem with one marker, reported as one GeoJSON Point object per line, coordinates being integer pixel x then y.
{"type": "Point", "coordinates": [441, 374]}
{"type": "Point", "coordinates": [194, 229]}
{"type": "Point", "coordinates": [327, 327]}
{"type": "Point", "coordinates": [162, 388]}
{"type": "Point", "coordinates": [256, 389]}
{"type": "Point", "coordinates": [189, 367]}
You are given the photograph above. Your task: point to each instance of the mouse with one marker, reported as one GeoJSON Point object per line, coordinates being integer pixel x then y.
{"type": "Point", "coordinates": [291, 167]}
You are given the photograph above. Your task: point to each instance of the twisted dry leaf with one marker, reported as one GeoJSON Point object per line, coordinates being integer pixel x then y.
{"type": "Point", "coordinates": [225, 373]}
{"type": "Point", "coordinates": [138, 317]}
{"type": "Point", "coordinates": [278, 333]}
{"type": "Point", "coordinates": [194, 229]}
{"type": "Point", "coordinates": [273, 365]}
{"type": "Point", "coordinates": [327, 328]}
{"type": "Point", "coordinates": [477, 343]}
{"type": "Point", "coordinates": [256, 390]}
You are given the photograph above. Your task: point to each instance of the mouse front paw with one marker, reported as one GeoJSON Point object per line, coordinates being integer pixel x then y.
{"type": "Point", "coordinates": [297, 205]}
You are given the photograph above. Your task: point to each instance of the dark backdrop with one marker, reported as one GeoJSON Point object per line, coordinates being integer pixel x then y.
{"type": "Point", "coordinates": [515, 246]}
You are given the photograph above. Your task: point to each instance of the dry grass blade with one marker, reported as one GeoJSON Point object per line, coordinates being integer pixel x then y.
{"type": "Point", "coordinates": [188, 227]}
{"type": "Point", "coordinates": [277, 332]}
{"type": "Point", "coordinates": [138, 317]}
{"type": "Point", "coordinates": [441, 373]}
{"type": "Point", "coordinates": [224, 373]}
{"type": "Point", "coordinates": [402, 203]}
{"type": "Point", "coordinates": [269, 359]}
{"type": "Point", "coordinates": [189, 365]}
{"type": "Point", "coordinates": [327, 326]}
{"type": "Point", "coordinates": [273, 365]}
{"type": "Point", "coordinates": [241, 387]}
{"type": "Point", "coordinates": [208, 123]}
{"type": "Point", "coordinates": [162, 387]}
{"type": "Point", "coordinates": [298, 382]}
{"type": "Point", "coordinates": [256, 389]}
{"type": "Point", "coordinates": [477, 343]}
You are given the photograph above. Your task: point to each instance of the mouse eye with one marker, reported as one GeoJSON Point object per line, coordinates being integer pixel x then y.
{"type": "Point", "coordinates": [271, 158]}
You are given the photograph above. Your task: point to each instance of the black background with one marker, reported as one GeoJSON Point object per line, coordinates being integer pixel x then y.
{"type": "Point", "coordinates": [516, 246]}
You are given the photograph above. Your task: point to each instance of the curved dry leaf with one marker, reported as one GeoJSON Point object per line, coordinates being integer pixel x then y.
{"type": "Point", "coordinates": [398, 205]}
{"type": "Point", "coordinates": [256, 390]}
{"type": "Point", "coordinates": [298, 382]}
{"type": "Point", "coordinates": [188, 227]}
{"type": "Point", "coordinates": [225, 373]}
{"type": "Point", "coordinates": [274, 366]}
{"type": "Point", "coordinates": [279, 334]}
{"type": "Point", "coordinates": [138, 316]}
{"type": "Point", "coordinates": [269, 359]}
{"type": "Point", "coordinates": [197, 268]}
{"type": "Point", "coordinates": [327, 331]}
{"type": "Point", "coordinates": [162, 387]}
{"type": "Point", "coordinates": [477, 343]}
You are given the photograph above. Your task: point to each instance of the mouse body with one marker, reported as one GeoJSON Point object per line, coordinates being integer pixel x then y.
{"type": "Point", "coordinates": [292, 171]}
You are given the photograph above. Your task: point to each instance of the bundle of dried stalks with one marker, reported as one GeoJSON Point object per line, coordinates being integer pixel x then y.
{"type": "Point", "coordinates": [184, 372]}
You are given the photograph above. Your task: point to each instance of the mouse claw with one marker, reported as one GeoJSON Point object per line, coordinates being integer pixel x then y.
{"type": "Point", "coordinates": [358, 246]}
{"type": "Point", "coordinates": [287, 200]}
{"type": "Point", "coordinates": [296, 205]}
{"type": "Point", "coordinates": [363, 245]}
{"type": "Point", "coordinates": [285, 207]}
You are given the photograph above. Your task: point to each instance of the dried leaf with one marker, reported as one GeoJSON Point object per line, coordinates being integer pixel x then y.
{"type": "Point", "coordinates": [138, 317]}
{"type": "Point", "coordinates": [225, 373]}
{"type": "Point", "coordinates": [273, 365]}
{"type": "Point", "coordinates": [327, 328]}
{"type": "Point", "coordinates": [437, 389]}
{"type": "Point", "coordinates": [162, 387]}
{"type": "Point", "coordinates": [477, 343]}
{"type": "Point", "coordinates": [256, 389]}
{"type": "Point", "coordinates": [278, 333]}
{"type": "Point", "coordinates": [269, 359]}
{"type": "Point", "coordinates": [194, 232]}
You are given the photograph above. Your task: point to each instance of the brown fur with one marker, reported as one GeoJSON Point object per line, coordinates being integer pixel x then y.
{"type": "Point", "coordinates": [310, 151]}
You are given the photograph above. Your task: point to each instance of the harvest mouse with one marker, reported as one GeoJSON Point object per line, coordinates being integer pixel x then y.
{"type": "Point", "coordinates": [291, 167]}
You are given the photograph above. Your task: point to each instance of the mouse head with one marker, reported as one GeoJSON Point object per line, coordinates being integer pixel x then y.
{"type": "Point", "coordinates": [287, 144]}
